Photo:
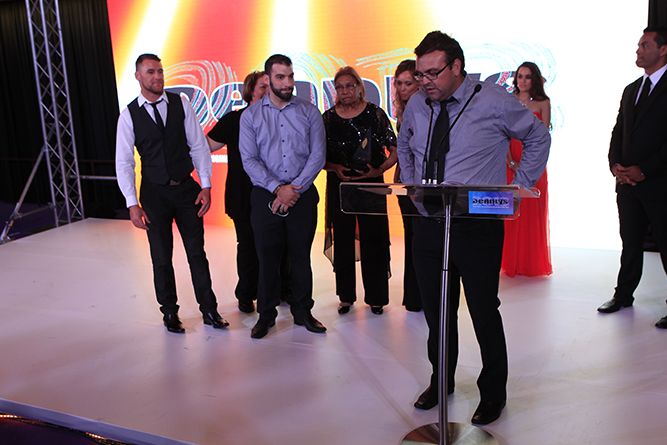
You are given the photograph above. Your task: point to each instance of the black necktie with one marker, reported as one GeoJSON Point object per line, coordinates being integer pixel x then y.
{"type": "Point", "coordinates": [643, 96]}
{"type": "Point", "coordinates": [435, 168]}
{"type": "Point", "coordinates": [158, 118]}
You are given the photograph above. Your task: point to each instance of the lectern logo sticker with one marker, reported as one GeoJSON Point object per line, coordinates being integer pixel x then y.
{"type": "Point", "coordinates": [491, 203]}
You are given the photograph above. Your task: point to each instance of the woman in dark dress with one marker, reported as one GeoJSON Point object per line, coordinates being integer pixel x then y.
{"type": "Point", "coordinates": [237, 197]}
{"type": "Point", "coordinates": [405, 85]}
{"type": "Point", "coordinates": [357, 129]}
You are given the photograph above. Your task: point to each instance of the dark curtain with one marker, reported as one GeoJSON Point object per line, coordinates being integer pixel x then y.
{"type": "Point", "coordinates": [20, 127]}
{"type": "Point", "coordinates": [657, 12]}
{"type": "Point", "coordinates": [93, 100]}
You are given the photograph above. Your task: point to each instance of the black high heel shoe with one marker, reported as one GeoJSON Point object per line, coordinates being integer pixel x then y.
{"type": "Point", "coordinates": [344, 308]}
{"type": "Point", "coordinates": [377, 310]}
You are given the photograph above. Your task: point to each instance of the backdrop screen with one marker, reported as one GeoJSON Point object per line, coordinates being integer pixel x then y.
{"type": "Point", "coordinates": [584, 49]}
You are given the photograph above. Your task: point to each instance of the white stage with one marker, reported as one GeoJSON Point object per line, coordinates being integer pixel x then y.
{"type": "Point", "coordinates": [83, 346]}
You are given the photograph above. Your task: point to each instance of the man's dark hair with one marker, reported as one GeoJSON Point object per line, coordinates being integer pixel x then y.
{"type": "Point", "coordinates": [439, 41]}
{"type": "Point", "coordinates": [143, 57]}
{"type": "Point", "coordinates": [276, 58]}
{"type": "Point", "coordinates": [660, 34]}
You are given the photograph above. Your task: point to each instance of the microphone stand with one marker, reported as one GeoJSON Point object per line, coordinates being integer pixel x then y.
{"type": "Point", "coordinates": [445, 432]}
{"type": "Point", "coordinates": [428, 141]}
{"type": "Point", "coordinates": [477, 89]}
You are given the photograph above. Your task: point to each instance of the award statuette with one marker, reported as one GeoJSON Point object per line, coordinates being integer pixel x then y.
{"type": "Point", "coordinates": [361, 157]}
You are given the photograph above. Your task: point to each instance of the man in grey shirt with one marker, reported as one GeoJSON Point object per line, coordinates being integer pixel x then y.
{"type": "Point", "coordinates": [283, 148]}
{"type": "Point", "coordinates": [473, 153]}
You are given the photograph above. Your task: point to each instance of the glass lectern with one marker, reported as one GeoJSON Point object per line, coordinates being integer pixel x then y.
{"type": "Point", "coordinates": [442, 201]}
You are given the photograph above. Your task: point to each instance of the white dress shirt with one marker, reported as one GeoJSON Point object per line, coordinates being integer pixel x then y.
{"type": "Point", "coordinates": [655, 78]}
{"type": "Point", "coordinates": [125, 164]}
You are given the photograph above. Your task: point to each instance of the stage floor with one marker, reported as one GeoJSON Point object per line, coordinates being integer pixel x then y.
{"type": "Point", "coordinates": [83, 346]}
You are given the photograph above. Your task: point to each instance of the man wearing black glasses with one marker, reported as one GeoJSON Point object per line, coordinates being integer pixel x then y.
{"type": "Point", "coordinates": [283, 148]}
{"type": "Point", "coordinates": [473, 152]}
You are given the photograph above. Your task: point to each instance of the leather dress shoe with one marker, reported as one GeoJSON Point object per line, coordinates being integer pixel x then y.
{"type": "Point", "coordinates": [311, 324]}
{"type": "Point", "coordinates": [214, 319]}
{"type": "Point", "coordinates": [246, 306]}
{"type": "Point", "coordinates": [613, 305]}
{"type": "Point", "coordinates": [429, 398]}
{"type": "Point", "coordinates": [261, 328]}
{"type": "Point", "coordinates": [344, 308]}
{"type": "Point", "coordinates": [173, 323]}
{"type": "Point", "coordinates": [487, 412]}
{"type": "Point", "coordinates": [662, 323]}
{"type": "Point", "coordinates": [377, 310]}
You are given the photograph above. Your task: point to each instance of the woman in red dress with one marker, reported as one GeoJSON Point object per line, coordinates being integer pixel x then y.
{"type": "Point", "coordinates": [527, 248]}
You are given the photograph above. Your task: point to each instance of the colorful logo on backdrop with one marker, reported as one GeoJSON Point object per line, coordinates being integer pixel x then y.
{"type": "Point", "coordinates": [214, 88]}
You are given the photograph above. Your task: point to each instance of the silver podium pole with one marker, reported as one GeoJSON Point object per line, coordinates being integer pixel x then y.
{"type": "Point", "coordinates": [454, 433]}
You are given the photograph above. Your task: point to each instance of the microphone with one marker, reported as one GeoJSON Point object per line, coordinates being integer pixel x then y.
{"type": "Point", "coordinates": [476, 90]}
{"type": "Point", "coordinates": [428, 140]}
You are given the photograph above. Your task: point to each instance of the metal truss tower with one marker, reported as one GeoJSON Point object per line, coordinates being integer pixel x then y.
{"type": "Point", "coordinates": [52, 88]}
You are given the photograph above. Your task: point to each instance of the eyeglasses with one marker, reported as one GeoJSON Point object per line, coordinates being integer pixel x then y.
{"type": "Point", "coordinates": [348, 87]}
{"type": "Point", "coordinates": [431, 75]}
{"type": "Point", "coordinates": [278, 212]}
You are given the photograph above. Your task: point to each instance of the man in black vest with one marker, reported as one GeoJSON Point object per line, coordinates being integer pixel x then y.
{"type": "Point", "coordinates": [638, 159]}
{"type": "Point", "coordinates": [170, 142]}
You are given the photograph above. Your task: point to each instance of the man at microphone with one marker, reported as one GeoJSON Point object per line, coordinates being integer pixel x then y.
{"type": "Point", "coordinates": [457, 130]}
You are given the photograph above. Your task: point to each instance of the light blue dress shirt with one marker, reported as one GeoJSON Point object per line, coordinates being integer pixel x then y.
{"type": "Point", "coordinates": [282, 146]}
{"type": "Point", "coordinates": [480, 139]}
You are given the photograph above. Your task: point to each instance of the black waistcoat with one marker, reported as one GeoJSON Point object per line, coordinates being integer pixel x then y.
{"type": "Point", "coordinates": [164, 156]}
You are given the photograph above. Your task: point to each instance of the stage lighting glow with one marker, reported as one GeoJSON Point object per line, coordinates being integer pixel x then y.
{"type": "Point", "coordinates": [586, 51]}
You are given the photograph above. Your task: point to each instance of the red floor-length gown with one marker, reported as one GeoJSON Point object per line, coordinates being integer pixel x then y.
{"type": "Point", "coordinates": [527, 249]}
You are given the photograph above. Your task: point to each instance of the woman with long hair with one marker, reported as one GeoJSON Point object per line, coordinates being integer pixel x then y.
{"type": "Point", "coordinates": [405, 85]}
{"type": "Point", "coordinates": [527, 248]}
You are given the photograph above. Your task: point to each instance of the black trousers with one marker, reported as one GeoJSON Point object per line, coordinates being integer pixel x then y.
{"type": "Point", "coordinates": [247, 264]}
{"type": "Point", "coordinates": [163, 205]}
{"type": "Point", "coordinates": [634, 216]}
{"type": "Point", "coordinates": [272, 232]}
{"type": "Point", "coordinates": [476, 248]}
{"type": "Point", "coordinates": [374, 253]}
{"type": "Point", "coordinates": [373, 246]}
{"type": "Point", "coordinates": [411, 295]}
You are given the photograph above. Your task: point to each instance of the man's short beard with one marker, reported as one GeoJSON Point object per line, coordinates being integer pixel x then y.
{"type": "Point", "coordinates": [283, 96]}
{"type": "Point", "coordinates": [151, 89]}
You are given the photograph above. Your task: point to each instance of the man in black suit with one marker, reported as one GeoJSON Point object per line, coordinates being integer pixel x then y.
{"type": "Point", "coordinates": [638, 160]}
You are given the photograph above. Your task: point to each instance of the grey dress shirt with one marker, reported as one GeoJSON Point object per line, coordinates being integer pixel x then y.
{"type": "Point", "coordinates": [480, 139]}
{"type": "Point", "coordinates": [282, 146]}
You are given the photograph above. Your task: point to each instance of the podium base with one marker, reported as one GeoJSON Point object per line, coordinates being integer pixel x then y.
{"type": "Point", "coordinates": [459, 434]}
